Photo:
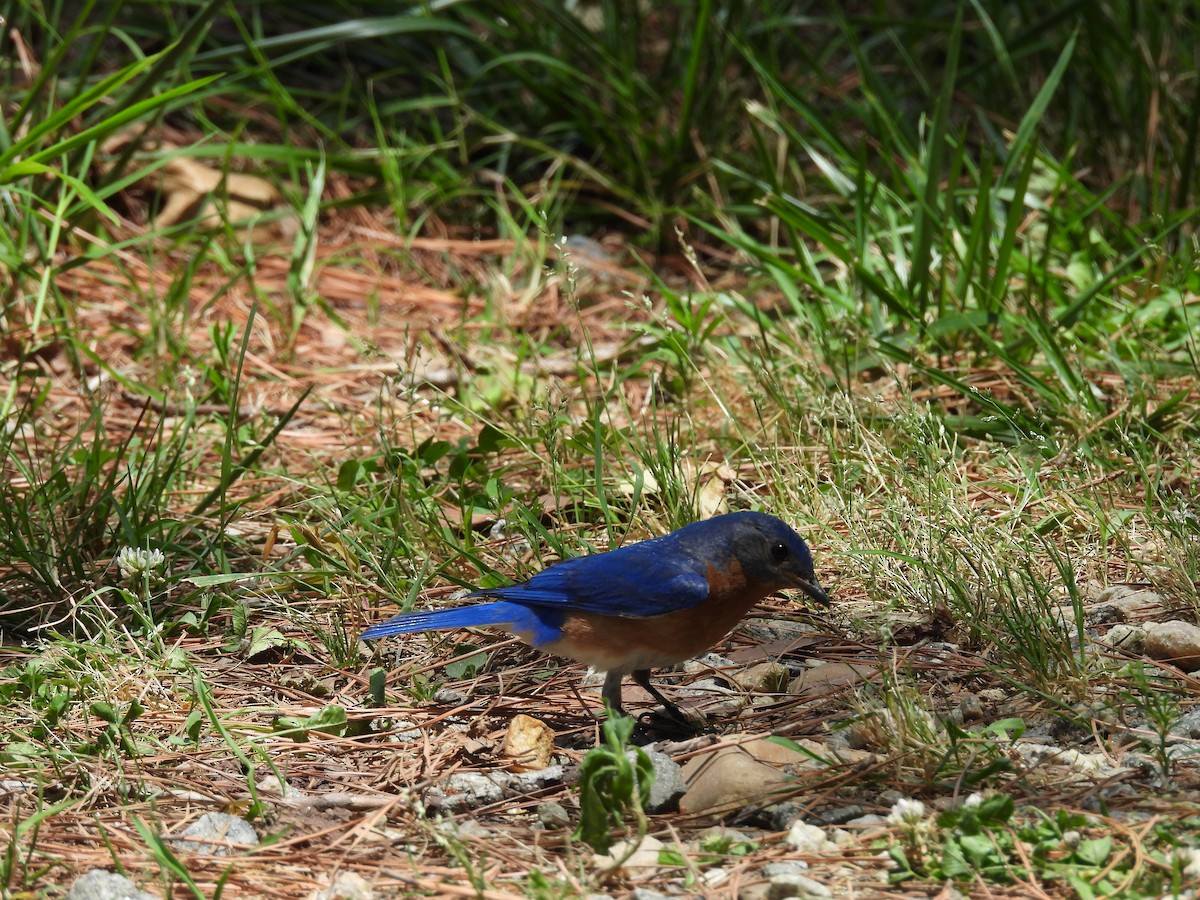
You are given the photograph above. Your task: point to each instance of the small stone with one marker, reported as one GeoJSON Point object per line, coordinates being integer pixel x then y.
{"type": "Point", "coordinates": [528, 744]}
{"type": "Point", "coordinates": [669, 784]}
{"type": "Point", "coordinates": [347, 886]}
{"type": "Point", "coordinates": [1139, 762]}
{"type": "Point", "coordinates": [784, 887]}
{"type": "Point", "coordinates": [644, 857]}
{"type": "Point", "coordinates": [830, 678]}
{"type": "Point", "coordinates": [552, 815]}
{"type": "Point", "coordinates": [1130, 638]}
{"type": "Point", "coordinates": [462, 791]}
{"type": "Point", "coordinates": [868, 824]}
{"type": "Point", "coordinates": [1121, 792]}
{"type": "Point", "coordinates": [887, 798]}
{"type": "Point", "coordinates": [471, 790]}
{"type": "Point", "coordinates": [843, 839]}
{"type": "Point", "coordinates": [404, 731]}
{"type": "Point", "coordinates": [466, 829]}
{"type": "Point", "coordinates": [727, 780]}
{"type": "Point", "coordinates": [714, 876]}
{"type": "Point", "coordinates": [647, 894]}
{"type": "Point", "coordinates": [273, 786]}
{"type": "Point", "coordinates": [707, 687]}
{"type": "Point", "coordinates": [779, 816]}
{"type": "Point", "coordinates": [1132, 604]}
{"type": "Point", "coordinates": [100, 884]}
{"type": "Point", "coordinates": [763, 678]}
{"type": "Point", "coordinates": [784, 867]}
{"type": "Point", "coordinates": [214, 832]}
{"type": "Point", "coordinates": [838, 815]}
{"type": "Point", "coordinates": [971, 708]}
{"type": "Point", "coordinates": [729, 835]}
{"type": "Point", "coordinates": [1187, 725]}
{"type": "Point", "coordinates": [535, 779]}
{"type": "Point", "coordinates": [707, 661]}
{"type": "Point", "coordinates": [806, 838]}
{"type": "Point", "coordinates": [1176, 642]}
{"type": "Point", "coordinates": [1089, 765]}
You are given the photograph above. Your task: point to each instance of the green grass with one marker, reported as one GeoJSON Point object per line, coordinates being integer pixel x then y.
{"type": "Point", "coordinates": [922, 281]}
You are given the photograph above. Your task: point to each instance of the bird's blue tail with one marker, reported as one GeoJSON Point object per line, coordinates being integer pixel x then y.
{"type": "Point", "coordinates": [497, 613]}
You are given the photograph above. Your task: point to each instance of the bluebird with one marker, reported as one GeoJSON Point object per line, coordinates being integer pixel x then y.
{"type": "Point", "coordinates": [653, 603]}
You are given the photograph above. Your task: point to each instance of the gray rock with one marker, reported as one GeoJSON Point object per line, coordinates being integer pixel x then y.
{"type": "Point", "coordinates": [449, 697]}
{"type": "Point", "coordinates": [668, 785]}
{"type": "Point", "coordinates": [971, 708]}
{"type": "Point", "coordinates": [714, 686]}
{"type": "Point", "coordinates": [213, 832]}
{"type": "Point", "coordinates": [468, 829]}
{"type": "Point", "coordinates": [523, 782]}
{"type": "Point", "coordinates": [1130, 604]}
{"type": "Point", "coordinates": [100, 884]}
{"type": "Point", "coordinates": [405, 731]}
{"type": "Point", "coordinates": [784, 867]}
{"type": "Point", "coordinates": [1130, 638]}
{"type": "Point", "coordinates": [721, 833]}
{"type": "Point", "coordinates": [645, 856]}
{"type": "Point", "coordinates": [837, 816]}
{"type": "Point", "coordinates": [463, 791]}
{"type": "Point", "coordinates": [1139, 762]}
{"type": "Point", "coordinates": [647, 894]}
{"type": "Point", "coordinates": [806, 838]}
{"type": "Point", "coordinates": [784, 887]}
{"type": "Point", "coordinates": [1121, 792]}
{"type": "Point", "coordinates": [1092, 766]}
{"type": "Point", "coordinates": [347, 886]}
{"type": "Point", "coordinates": [710, 878]}
{"type": "Point", "coordinates": [553, 815]}
{"type": "Point", "coordinates": [470, 790]}
{"type": "Point", "coordinates": [1187, 725]}
{"type": "Point", "coordinates": [273, 786]}
{"type": "Point", "coordinates": [593, 679]}
{"type": "Point", "coordinates": [779, 816]}
{"type": "Point", "coordinates": [870, 820]}
{"type": "Point", "coordinates": [707, 661]}
{"type": "Point", "coordinates": [887, 798]}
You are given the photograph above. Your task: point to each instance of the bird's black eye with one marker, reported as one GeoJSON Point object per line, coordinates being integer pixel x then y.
{"type": "Point", "coordinates": [780, 551]}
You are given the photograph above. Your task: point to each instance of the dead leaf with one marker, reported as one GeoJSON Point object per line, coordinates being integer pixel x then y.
{"type": "Point", "coordinates": [190, 188]}
{"type": "Point", "coordinates": [712, 488]}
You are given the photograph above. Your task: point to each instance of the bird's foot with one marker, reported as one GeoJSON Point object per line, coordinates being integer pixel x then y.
{"type": "Point", "coordinates": [669, 724]}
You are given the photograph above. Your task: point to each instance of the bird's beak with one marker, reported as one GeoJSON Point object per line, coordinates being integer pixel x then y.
{"type": "Point", "coordinates": [814, 591]}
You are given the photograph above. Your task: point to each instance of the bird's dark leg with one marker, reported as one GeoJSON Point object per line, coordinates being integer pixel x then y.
{"type": "Point", "coordinates": [642, 677]}
{"type": "Point", "coordinates": [612, 691]}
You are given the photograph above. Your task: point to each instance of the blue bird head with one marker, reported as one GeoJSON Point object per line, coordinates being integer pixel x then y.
{"type": "Point", "coordinates": [772, 554]}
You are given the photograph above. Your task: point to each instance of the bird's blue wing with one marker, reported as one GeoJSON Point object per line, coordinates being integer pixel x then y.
{"type": "Point", "coordinates": [645, 579]}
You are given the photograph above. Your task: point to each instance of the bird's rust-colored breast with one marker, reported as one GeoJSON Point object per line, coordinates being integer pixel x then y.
{"type": "Point", "coordinates": [625, 643]}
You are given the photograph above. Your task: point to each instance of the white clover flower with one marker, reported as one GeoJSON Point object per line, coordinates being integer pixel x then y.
{"type": "Point", "coordinates": [135, 563]}
{"type": "Point", "coordinates": [906, 812]}
{"type": "Point", "coordinates": [974, 801]}
{"type": "Point", "coordinates": [1188, 860]}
